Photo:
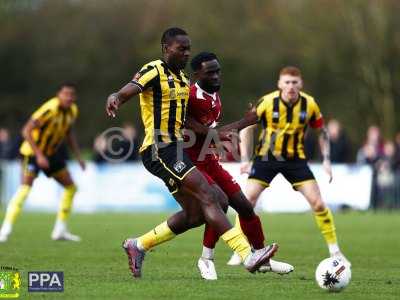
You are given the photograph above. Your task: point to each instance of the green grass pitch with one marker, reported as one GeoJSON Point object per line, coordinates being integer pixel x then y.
{"type": "Point", "coordinates": [96, 268]}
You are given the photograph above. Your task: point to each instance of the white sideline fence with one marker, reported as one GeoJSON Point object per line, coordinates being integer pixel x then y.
{"type": "Point", "coordinates": [128, 187]}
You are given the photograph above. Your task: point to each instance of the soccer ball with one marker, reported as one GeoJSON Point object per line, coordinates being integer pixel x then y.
{"type": "Point", "coordinates": [332, 274]}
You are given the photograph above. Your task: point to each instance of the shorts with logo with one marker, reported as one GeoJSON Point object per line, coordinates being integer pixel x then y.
{"type": "Point", "coordinates": [296, 172]}
{"type": "Point", "coordinates": [216, 174]}
{"type": "Point", "coordinates": [56, 164]}
{"type": "Point", "coordinates": [169, 163]}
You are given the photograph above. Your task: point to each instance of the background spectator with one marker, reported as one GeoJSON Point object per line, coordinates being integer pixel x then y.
{"type": "Point", "coordinates": [125, 143]}
{"type": "Point", "coordinates": [339, 144]}
{"type": "Point", "coordinates": [385, 177]}
{"type": "Point", "coordinates": [130, 137]}
{"type": "Point", "coordinates": [372, 149]}
{"type": "Point", "coordinates": [5, 144]}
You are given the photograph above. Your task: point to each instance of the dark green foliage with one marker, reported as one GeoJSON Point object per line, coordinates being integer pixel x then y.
{"type": "Point", "coordinates": [348, 50]}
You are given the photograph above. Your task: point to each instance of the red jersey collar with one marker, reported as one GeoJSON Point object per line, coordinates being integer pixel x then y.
{"type": "Point", "coordinates": [200, 91]}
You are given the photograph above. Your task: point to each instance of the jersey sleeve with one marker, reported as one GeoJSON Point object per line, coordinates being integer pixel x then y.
{"type": "Point", "coordinates": [43, 113]}
{"type": "Point", "coordinates": [144, 77]}
{"type": "Point", "coordinates": [316, 120]}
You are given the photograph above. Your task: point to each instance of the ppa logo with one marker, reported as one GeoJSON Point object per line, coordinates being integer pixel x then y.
{"type": "Point", "coordinates": [46, 281]}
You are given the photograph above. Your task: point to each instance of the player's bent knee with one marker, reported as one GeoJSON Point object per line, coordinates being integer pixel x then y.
{"type": "Point", "coordinates": [28, 180]}
{"type": "Point", "coordinates": [195, 221]}
{"type": "Point", "coordinates": [222, 200]}
{"type": "Point", "coordinates": [253, 200]}
{"type": "Point", "coordinates": [317, 205]}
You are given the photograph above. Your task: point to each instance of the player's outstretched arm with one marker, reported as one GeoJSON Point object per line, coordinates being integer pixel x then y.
{"type": "Point", "coordinates": [115, 100]}
{"type": "Point", "coordinates": [325, 151]}
{"type": "Point", "coordinates": [246, 148]}
{"type": "Point", "coordinates": [27, 135]}
{"type": "Point", "coordinates": [250, 118]}
{"type": "Point", "coordinates": [73, 144]}
{"type": "Point", "coordinates": [198, 128]}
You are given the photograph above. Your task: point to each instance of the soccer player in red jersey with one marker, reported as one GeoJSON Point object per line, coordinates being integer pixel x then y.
{"type": "Point", "coordinates": [203, 115]}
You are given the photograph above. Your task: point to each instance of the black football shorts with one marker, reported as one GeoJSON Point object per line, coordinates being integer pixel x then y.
{"type": "Point", "coordinates": [169, 163]}
{"type": "Point", "coordinates": [57, 163]}
{"type": "Point", "coordinates": [296, 172]}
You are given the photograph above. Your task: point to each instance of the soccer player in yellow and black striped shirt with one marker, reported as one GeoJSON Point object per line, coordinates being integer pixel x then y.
{"type": "Point", "coordinates": [45, 131]}
{"type": "Point", "coordinates": [284, 116]}
{"type": "Point", "coordinates": [164, 94]}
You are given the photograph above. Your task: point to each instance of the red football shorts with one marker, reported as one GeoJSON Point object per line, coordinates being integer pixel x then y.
{"type": "Point", "coordinates": [215, 174]}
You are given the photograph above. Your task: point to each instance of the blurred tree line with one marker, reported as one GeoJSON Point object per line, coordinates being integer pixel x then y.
{"type": "Point", "coordinates": [348, 50]}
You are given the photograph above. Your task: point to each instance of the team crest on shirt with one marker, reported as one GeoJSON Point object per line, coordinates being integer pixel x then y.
{"type": "Point", "coordinates": [303, 115]}
{"type": "Point", "coordinates": [170, 78]}
{"type": "Point", "coordinates": [172, 94]}
{"type": "Point", "coordinates": [179, 166]}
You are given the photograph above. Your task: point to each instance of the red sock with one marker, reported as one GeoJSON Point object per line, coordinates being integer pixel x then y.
{"type": "Point", "coordinates": [252, 229]}
{"type": "Point", "coordinates": [210, 237]}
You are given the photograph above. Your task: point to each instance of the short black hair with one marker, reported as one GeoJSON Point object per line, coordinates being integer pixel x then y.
{"type": "Point", "coordinates": [68, 84]}
{"type": "Point", "coordinates": [200, 58]}
{"type": "Point", "coordinates": [170, 33]}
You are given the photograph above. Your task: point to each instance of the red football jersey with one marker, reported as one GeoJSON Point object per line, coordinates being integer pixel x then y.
{"type": "Point", "coordinates": [205, 108]}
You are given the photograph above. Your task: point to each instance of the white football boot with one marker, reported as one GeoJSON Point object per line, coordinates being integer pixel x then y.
{"type": "Point", "coordinates": [61, 233]}
{"type": "Point", "coordinates": [259, 257]}
{"type": "Point", "coordinates": [277, 267]}
{"type": "Point", "coordinates": [3, 238]}
{"type": "Point", "coordinates": [207, 268]}
{"type": "Point", "coordinates": [65, 236]}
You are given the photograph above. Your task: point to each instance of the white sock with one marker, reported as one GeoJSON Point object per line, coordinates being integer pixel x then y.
{"type": "Point", "coordinates": [60, 226]}
{"type": "Point", "coordinates": [239, 257]}
{"type": "Point", "coordinates": [139, 245]}
{"type": "Point", "coordinates": [333, 248]}
{"type": "Point", "coordinates": [208, 253]}
{"type": "Point", "coordinates": [6, 228]}
{"type": "Point", "coordinates": [246, 260]}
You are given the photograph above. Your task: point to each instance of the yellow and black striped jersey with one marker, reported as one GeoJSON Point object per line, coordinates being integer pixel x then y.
{"type": "Point", "coordinates": [163, 102]}
{"type": "Point", "coordinates": [54, 122]}
{"type": "Point", "coordinates": [284, 125]}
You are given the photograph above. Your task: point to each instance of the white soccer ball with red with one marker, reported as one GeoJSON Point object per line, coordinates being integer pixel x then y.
{"type": "Point", "coordinates": [332, 274]}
